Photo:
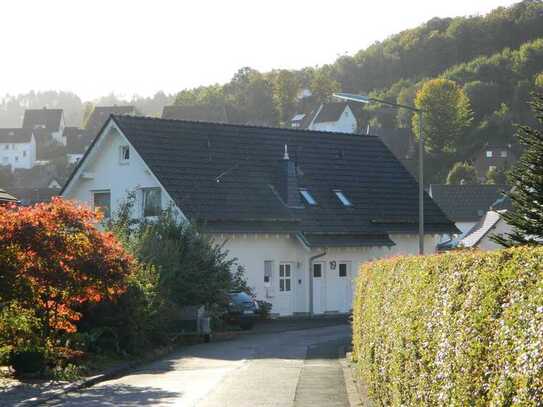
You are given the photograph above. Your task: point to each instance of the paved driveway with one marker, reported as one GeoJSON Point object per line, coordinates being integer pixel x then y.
{"type": "Point", "coordinates": [294, 368]}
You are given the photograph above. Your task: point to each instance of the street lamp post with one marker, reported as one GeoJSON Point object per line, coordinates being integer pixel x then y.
{"type": "Point", "coordinates": [366, 100]}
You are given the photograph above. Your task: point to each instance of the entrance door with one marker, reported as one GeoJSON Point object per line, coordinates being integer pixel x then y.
{"type": "Point", "coordinates": [285, 289]}
{"type": "Point", "coordinates": [319, 289]}
{"type": "Point", "coordinates": [338, 288]}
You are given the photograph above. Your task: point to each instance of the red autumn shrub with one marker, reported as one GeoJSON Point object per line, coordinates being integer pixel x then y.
{"type": "Point", "coordinates": [53, 258]}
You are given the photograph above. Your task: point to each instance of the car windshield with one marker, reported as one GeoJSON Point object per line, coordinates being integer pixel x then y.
{"type": "Point", "coordinates": [240, 298]}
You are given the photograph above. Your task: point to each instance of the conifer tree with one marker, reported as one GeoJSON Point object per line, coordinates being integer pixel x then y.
{"type": "Point", "coordinates": [526, 177]}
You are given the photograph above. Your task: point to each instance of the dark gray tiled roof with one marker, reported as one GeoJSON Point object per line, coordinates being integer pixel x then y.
{"type": "Point", "coordinates": [77, 140]}
{"type": "Point", "coordinates": [331, 112]}
{"type": "Point", "coordinates": [15, 135]}
{"type": "Point", "coordinates": [49, 119]}
{"type": "Point", "coordinates": [226, 175]}
{"type": "Point", "coordinates": [465, 203]}
{"type": "Point", "coordinates": [100, 114]}
{"type": "Point", "coordinates": [195, 113]}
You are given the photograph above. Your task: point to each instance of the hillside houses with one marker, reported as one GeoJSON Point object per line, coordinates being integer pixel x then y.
{"type": "Point", "coordinates": [47, 125]}
{"type": "Point", "coordinates": [17, 148]}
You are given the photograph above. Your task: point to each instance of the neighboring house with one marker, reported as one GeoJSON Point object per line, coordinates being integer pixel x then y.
{"type": "Point", "coordinates": [17, 148]}
{"type": "Point", "coordinates": [497, 157]}
{"type": "Point", "coordinates": [336, 117]}
{"type": "Point", "coordinates": [100, 115]}
{"type": "Point", "coordinates": [465, 204]}
{"type": "Point", "coordinates": [77, 142]}
{"type": "Point", "coordinates": [31, 196]}
{"type": "Point", "coordinates": [39, 177]}
{"type": "Point", "coordinates": [7, 198]}
{"type": "Point", "coordinates": [301, 210]}
{"type": "Point", "coordinates": [489, 225]}
{"type": "Point", "coordinates": [47, 124]}
{"type": "Point", "coordinates": [196, 113]}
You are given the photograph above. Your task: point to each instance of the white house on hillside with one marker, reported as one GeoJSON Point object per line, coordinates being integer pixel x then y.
{"type": "Point", "coordinates": [17, 148]}
{"type": "Point", "coordinates": [300, 210]}
{"type": "Point", "coordinates": [336, 117]}
{"type": "Point", "coordinates": [47, 124]}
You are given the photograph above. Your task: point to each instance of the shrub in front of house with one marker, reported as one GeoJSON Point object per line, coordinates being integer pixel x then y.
{"type": "Point", "coordinates": [463, 328]}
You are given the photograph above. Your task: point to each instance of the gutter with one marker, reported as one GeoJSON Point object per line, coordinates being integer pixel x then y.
{"type": "Point", "coordinates": [311, 260]}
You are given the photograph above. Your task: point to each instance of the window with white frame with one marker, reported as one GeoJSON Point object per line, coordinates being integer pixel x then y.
{"type": "Point", "coordinates": [24, 153]}
{"type": "Point", "coordinates": [489, 154]}
{"type": "Point", "coordinates": [343, 270]}
{"type": "Point", "coordinates": [504, 153]}
{"type": "Point", "coordinates": [124, 154]}
{"type": "Point", "coordinates": [152, 201]}
{"type": "Point", "coordinates": [268, 270]}
{"type": "Point", "coordinates": [342, 198]}
{"type": "Point", "coordinates": [285, 277]}
{"type": "Point", "coordinates": [101, 200]}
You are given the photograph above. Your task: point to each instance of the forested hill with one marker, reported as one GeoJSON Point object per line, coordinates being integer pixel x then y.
{"type": "Point", "coordinates": [495, 60]}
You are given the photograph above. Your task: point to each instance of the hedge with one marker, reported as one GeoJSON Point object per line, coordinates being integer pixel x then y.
{"type": "Point", "coordinates": [463, 328]}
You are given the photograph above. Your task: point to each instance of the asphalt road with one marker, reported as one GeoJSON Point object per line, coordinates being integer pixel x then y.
{"type": "Point", "coordinates": [294, 368]}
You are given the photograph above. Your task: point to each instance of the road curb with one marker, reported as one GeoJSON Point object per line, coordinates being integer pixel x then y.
{"type": "Point", "coordinates": [109, 374]}
{"type": "Point", "coordinates": [357, 396]}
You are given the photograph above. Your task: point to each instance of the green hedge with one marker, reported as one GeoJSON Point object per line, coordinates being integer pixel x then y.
{"type": "Point", "coordinates": [464, 328]}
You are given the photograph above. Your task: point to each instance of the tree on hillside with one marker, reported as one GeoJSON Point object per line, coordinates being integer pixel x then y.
{"type": "Point", "coordinates": [285, 92]}
{"type": "Point", "coordinates": [447, 114]}
{"type": "Point", "coordinates": [496, 177]}
{"type": "Point", "coordinates": [322, 86]}
{"type": "Point", "coordinates": [526, 177]}
{"type": "Point", "coordinates": [462, 173]}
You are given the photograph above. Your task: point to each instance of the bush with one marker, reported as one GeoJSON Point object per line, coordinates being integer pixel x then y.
{"type": "Point", "coordinates": [27, 360]}
{"type": "Point", "coordinates": [463, 328]}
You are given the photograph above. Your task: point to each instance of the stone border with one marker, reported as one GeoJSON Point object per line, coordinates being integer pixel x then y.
{"type": "Point", "coordinates": [356, 390]}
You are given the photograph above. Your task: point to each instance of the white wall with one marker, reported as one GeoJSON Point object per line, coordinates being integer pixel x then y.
{"type": "Point", "coordinates": [346, 124]}
{"type": "Point", "coordinates": [108, 173]}
{"type": "Point", "coordinates": [253, 249]}
{"type": "Point", "coordinates": [18, 155]}
{"type": "Point", "coordinates": [487, 244]}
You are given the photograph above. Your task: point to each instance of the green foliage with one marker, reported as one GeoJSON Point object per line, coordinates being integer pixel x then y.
{"type": "Point", "coordinates": [322, 86]}
{"type": "Point", "coordinates": [496, 177]}
{"type": "Point", "coordinates": [447, 114]}
{"type": "Point", "coordinates": [462, 173]}
{"type": "Point", "coordinates": [526, 217]}
{"type": "Point", "coordinates": [459, 329]}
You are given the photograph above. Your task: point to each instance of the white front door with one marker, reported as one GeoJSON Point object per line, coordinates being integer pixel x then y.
{"type": "Point", "coordinates": [319, 288]}
{"type": "Point", "coordinates": [284, 303]}
{"type": "Point", "coordinates": [338, 287]}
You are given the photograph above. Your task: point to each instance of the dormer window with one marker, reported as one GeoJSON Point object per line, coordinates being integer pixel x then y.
{"type": "Point", "coordinates": [308, 197]}
{"type": "Point", "coordinates": [342, 198]}
{"type": "Point", "coordinates": [124, 154]}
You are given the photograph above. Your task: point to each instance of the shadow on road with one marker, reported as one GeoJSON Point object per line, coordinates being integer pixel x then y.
{"type": "Point", "coordinates": [122, 396]}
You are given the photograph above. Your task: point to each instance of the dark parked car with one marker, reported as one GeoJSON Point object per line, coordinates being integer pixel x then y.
{"type": "Point", "coordinates": [242, 310]}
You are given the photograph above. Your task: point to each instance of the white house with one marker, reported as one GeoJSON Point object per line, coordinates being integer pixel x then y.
{"type": "Point", "coordinates": [336, 117]}
{"type": "Point", "coordinates": [47, 124]}
{"type": "Point", "coordinates": [465, 204]}
{"type": "Point", "coordinates": [300, 210]}
{"type": "Point", "coordinates": [17, 148]}
{"type": "Point", "coordinates": [77, 142]}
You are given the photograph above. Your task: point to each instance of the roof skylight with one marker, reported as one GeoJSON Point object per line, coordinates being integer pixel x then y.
{"type": "Point", "coordinates": [342, 198]}
{"type": "Point", "coordinates": [308, 197]}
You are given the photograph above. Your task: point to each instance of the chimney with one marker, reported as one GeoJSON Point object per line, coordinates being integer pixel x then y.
{"type": "Point", "coordinates": [288, 181]}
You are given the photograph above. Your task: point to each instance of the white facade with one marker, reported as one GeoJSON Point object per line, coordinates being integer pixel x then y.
{"type": "Point", "coordinates": [293, 285]}
{"type": "Point", "coordinates": [18, 155]}
{"type": "Point", "coordinates": [74, 158]}
{"type": "Point", "coordinates": [346, 123]}
{"type": "Point", "coordinates": [59, 136]}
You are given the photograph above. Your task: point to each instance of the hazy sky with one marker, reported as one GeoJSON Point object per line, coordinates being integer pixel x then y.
{"type": "Point", "coordinates": [141, 46]}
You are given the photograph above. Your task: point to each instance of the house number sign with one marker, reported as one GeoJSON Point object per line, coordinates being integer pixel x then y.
{"type": "Point", "coordinates": [333, 265]}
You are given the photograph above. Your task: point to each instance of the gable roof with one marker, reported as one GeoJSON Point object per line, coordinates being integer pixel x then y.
{"type": "Point", "coordinates": [465, 203]}
{"type": "Point", "coordinates": [195, 113]}
{"type": "Point", "coordinates": [49, 119]}
{"type": "Point", "coordinates": [100, 115]}
{"type": "Point", "coordinates": [15, 135]}
{"type": "Point", "coordinates": [225, 175]}
{"type": "Point", "coordinates": [77, 140]}
{"type": "Point", "coordinates": [331, 112]}
{"type": "Point", "coordinates": [481, 229]}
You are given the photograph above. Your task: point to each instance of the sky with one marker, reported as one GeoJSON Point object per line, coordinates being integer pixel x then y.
{"type": "Point", "coordinates": [129, 47]}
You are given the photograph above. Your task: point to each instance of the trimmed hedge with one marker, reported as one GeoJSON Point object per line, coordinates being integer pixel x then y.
{"type": "Point", "coordinates": [464, 328]}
